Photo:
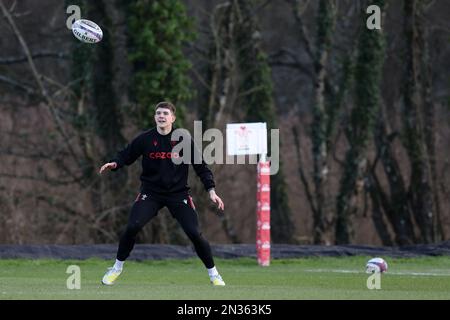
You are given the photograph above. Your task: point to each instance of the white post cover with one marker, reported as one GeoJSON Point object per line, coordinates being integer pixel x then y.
{"type": "Point", "coordinates": [246, 138]}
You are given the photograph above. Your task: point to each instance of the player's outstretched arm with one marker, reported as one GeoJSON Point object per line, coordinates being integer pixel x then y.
{"type": "Point", "coordinates": [108, 166]}
{"type": "Point", "coordinates": [216, 199]}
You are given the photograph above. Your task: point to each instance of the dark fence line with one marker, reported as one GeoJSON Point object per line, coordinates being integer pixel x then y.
{"type": "Point", "coordinates": [156, 252]}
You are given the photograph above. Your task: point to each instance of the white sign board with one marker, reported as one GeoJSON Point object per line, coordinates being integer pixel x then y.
{"type": "Point", "coordinates": [246, 138]}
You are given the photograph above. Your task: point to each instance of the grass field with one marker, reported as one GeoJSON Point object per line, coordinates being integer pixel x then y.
{"type": "Point", "coordinates": [309, 278]}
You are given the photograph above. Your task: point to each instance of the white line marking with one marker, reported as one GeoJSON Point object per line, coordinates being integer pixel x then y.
{"type": "Point", "coordinates": [389, 272]}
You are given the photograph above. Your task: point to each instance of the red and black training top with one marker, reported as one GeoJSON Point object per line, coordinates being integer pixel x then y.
{"type": "Point", "coordinates": [159, 173]}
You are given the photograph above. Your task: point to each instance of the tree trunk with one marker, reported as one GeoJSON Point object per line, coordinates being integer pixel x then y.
{"type": "Point", "coordinates": [368, 75]}
{"type": "Point", "coordinates": [396, 205]}
{"type": "Point", "coordinates": [259, 106]}
{"type": "Point", "coordinates": [326, 23]}
{"type": "Point", "coordinates": [421, 196]}
{"type": "Point", "coordinates": [377, 210]}
{"type": "Point", "coordinates": [430, 129]}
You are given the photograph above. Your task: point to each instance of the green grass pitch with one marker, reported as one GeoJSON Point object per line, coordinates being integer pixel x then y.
{"type": "Point", "coordinates": [291, 279]}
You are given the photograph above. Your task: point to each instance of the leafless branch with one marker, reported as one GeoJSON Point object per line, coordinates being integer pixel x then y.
{"type": "Point", "coordinates": [25, 155]}
{"type": "Point", "coordinates": [37, 55]}
{"type": "Point", "coordinates": [62, 87]}
{"type": "Point", "coordinates": [303, 32]}
{"type": "Point", "coordinates": [250, 91]}
{"type": "Point", "coordinates": [17, 84]}
{"type": "Point", "coordinates": [202, 10]}
{"type": "Point", "coordinates": [59, 204]}
{"type": "Point", "coordinates": [293, 65]}
{"type": "Point", "coordinates": [200, 78]}
{"type": "Point", "coordinates": [288, 58]}
{"type": "Point", "coordinates": [49, 102]}
{"type": "Point", "coordinates": [13, 6]}
{"type": "Point", "coordinates": [103, 214]}
{"type": "Point", "coordinates": [21, 14]}
{"type": "Point", "coordinates": [260, 7]}
{"type": "Point", "coordinates": [196, 48]}
{"type": "Point", "coordinates": [303, 178]}
{"type": "Point", "coordinates": [42, 178]}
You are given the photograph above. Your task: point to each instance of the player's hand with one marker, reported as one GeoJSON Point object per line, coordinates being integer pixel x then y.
{"type": "Point", "coordinates": [108, 166]}
{"type": "Point", "coordinates": [216, 199]}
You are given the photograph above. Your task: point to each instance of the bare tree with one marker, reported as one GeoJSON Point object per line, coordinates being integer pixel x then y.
{"type": "Point", "coordinates": [421, 193]}
{"type": "Point", "coordinates": [368, 75]}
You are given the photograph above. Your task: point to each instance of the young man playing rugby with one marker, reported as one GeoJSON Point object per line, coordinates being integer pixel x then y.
{"type": "Point", "coordinates": [163, 184]}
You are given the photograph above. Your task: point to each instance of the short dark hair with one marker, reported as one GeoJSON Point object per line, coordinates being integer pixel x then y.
{"type": "Point", "coordinates": [166, 105]}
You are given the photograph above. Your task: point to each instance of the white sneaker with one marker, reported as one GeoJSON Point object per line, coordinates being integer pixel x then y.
{"type": "Point", "coordinates": [217, 280]}
{"type": "Point", "coordinates": [110, 276]}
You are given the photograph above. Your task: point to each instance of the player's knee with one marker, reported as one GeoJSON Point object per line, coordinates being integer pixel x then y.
{"type": "Point", "coordinates": [133, 228]}
{"type": "Point", "coordinates": [194, 235]}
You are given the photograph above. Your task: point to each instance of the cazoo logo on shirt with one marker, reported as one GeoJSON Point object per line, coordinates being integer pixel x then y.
{"type": "Point", "coordinates": [163, 155]}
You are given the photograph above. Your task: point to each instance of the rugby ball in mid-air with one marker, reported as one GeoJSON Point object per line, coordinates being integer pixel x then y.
{"type": "Point", "coordinates": [376, 265]}
{"type": "Point", "coordinates": [87, 31]}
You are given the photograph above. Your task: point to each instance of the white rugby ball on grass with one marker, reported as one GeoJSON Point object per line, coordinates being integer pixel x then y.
{"type": "Point", "coordinates": [376, 265]}
{"type": "Point", "coordinates": [87, 31]}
